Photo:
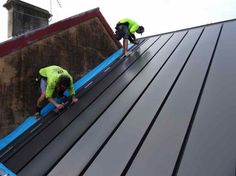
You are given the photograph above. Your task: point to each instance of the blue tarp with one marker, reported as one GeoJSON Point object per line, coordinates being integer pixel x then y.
{"type": "Point", "coordinates": [49, 107]}
{"type": "Point", "coordinates": [5, 171]}
{"type": "Point", "coordinates": [18, 131]}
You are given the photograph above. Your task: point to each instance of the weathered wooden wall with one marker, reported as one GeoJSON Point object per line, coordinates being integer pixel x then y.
{"type": "Point", "coordinates": [78, 49]}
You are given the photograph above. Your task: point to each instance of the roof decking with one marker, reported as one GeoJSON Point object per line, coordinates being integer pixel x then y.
{"type": "Point", "coordinates": [167, 109]}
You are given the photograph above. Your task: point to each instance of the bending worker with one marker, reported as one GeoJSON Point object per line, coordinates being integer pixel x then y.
{"type": "Point", "coordinates": [53, 82]}
{"type": "Point", "coordinates": [126, 29]}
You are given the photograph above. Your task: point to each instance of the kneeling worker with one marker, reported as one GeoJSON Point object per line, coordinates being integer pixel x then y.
{"type": "Point", "coordinates": [54, 81]}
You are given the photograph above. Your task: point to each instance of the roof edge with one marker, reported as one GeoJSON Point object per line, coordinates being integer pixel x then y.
{"type": "Point", "coordinates": [178, 30]}
{"type": "Point", "coordinates": [40, 33]}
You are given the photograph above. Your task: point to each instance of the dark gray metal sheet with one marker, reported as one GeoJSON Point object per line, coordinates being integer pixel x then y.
{"type": "Point", "coordinates": [159, 112]}
{"type": "Point", "coordinates": [72, 132]}
{"type": "Point", "coordinates": [160, 150]}
{"type": "Point", "coordinates": [211, 149]}
{"type": "Point", "coordinates": [74, 162]}
{"type": "Point", "coordinates": [34, 146]}
{"type": "Point", "coordinates": [121, 146]}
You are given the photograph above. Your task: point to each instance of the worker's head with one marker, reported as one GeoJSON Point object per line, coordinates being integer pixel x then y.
{"type": "Point", "coordinates": [62, 84]}
{"type": "Point", "coordinates": [140, 30]}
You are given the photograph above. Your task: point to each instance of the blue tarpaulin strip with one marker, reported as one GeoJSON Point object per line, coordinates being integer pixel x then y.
{"type": "Point", "coordinates": [18, 131]}
{"type": "Point", "coordinates": [86, 78]}
{"type": "Point", "coordinates": [49, 107]}
{"type": "Point", "coordinates": [4, 171]}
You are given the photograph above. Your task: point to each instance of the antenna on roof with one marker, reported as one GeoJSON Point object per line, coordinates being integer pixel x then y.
{"type": "Point", "coordinates": [58, 2]}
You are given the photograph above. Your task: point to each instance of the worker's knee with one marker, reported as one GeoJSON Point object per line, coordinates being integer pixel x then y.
{"type": "Point", "coordinates": [42, 96]}
{"type": "Point", "coordinates": [117, 36]}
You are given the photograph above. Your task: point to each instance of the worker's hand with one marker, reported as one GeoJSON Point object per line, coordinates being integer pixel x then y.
{"type": "Point", "coordinates": [59, 106]}
{"type": "Point", "coordinates": [74, 100]}
{"type": "Point", "coordinates": [135, 42]}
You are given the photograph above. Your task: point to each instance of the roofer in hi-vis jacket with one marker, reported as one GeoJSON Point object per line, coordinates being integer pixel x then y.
{"type": "Point", "coordinates": [54, 80]}
{"type": "Point", "coordinates": [126, 29]}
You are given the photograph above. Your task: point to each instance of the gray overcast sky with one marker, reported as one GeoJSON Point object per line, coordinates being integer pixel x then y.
{"type": "Point", "coordinates": [157, 16]}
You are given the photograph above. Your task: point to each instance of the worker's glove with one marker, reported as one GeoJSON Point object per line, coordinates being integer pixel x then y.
{"type": "Point", "coordinates": [135, 42]}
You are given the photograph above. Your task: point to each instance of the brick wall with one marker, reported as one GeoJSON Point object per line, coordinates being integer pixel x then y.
{"type": "Point", "coordinates": [78, 49]}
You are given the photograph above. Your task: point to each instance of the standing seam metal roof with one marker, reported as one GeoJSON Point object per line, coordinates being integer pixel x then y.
{"type": "Point", "coordinates": [167, 109]}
